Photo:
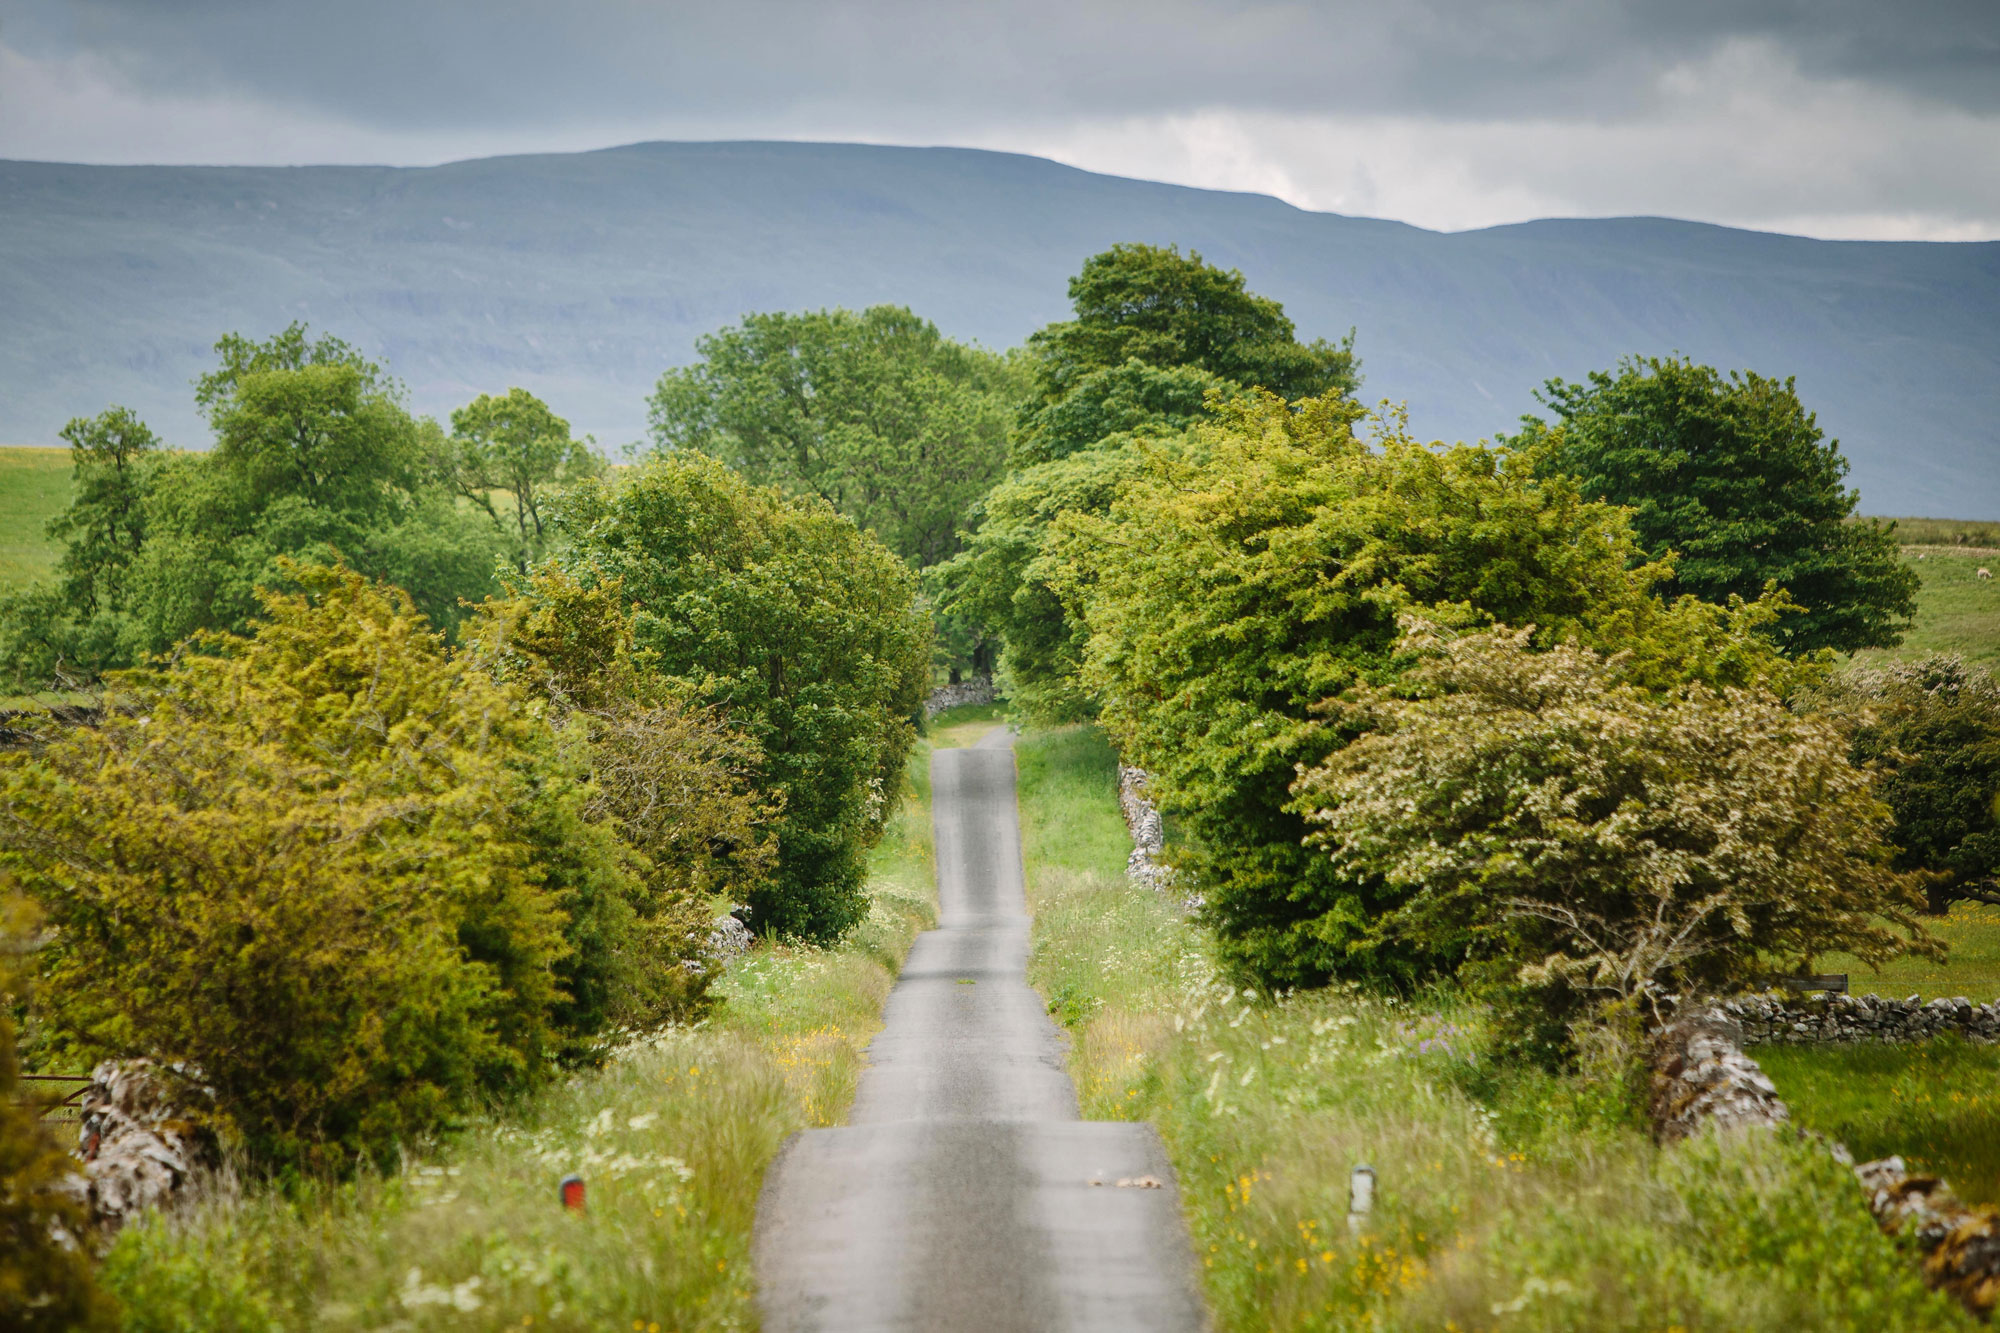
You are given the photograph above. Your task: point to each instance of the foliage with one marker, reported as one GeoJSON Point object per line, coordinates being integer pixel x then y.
{"type": "Point", "coordinates": [1604, 841]}
{"type": "Point", "coordinates": [1932, 730]}
{"type": "Point", "coordinates": [298, 863]}
{"type": "Point", "coordinates": [672, 778]}
{"type": "Point", "coordinates": [1007, 577]}
{"type": "Point", "coordinates": [672, 1136]}
{"type": "Point", "coordinates": [1256, 571]}
{"type": "Point", "coordinates": [1158, 339]}
{"type": "Point", "coordinates": [802, 629]}
{"type": "Point", "coordinates": [1935, 1103]}
{"type": "Point", "coordinates": [315, 460]}
{"type": "Point", "coordinates": [1162, 308]}
{"type": "Point", "coordinates": [879, 414]}
{"type": "Point", "coordinates": [512, 445]}
{"type": "Point", "coordinates": [46, 1279]}
{"type": "Point", "coordinates": [1507, 1199]}
{"type": "Point", "coordinates": [1736, 479]}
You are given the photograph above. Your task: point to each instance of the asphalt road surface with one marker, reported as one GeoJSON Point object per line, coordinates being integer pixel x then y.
{"type": "Point", "coordinates": [966, 1194]}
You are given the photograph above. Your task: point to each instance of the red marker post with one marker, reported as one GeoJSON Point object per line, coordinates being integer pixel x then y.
{"type": "Point", "coordinates": [571, 1191]}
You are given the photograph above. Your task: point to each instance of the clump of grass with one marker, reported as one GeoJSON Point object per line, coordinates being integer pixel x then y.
{"type": "Point", "coordinates": [672, 1138]}
{"type": "Point", "coordinates": [1504, 1199]}
{"type": "Point", "coordinates": [1934, 1103]}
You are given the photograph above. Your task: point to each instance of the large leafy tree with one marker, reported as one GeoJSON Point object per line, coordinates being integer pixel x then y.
{"type": "Point", "coordinates": [803, 629]}
{"type": "Point", "coordinates": [1157, 338]}
{"type": "Point", "coordinates": [1733, 475]}
{"type": "Point", "coordinates": [893, 424]}
{"type": "Point", "coordinates": [1161, 308]}
{"type": "Point", "coordinates": [1254, 570]}
{"type": "Point", "coordinates": [1601, 841]}
{"type": "Point", "coordinates": [315, 460]}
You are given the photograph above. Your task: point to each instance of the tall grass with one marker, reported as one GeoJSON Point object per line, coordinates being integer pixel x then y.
{"type": "Point", "coordinates": [1506, 1200]}
{"type": "Point", "coordinates": [672, 1138]}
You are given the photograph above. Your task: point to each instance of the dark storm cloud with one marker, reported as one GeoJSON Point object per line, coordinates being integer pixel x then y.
{"type": "Point", "coordinates": [451, 63]}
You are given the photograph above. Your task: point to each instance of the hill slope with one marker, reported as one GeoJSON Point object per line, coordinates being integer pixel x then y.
{"type": "Point", "coordinates": [582, 276]}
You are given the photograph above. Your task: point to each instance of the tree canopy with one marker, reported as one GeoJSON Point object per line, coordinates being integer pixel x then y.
{"type": "Point", "coordinates": [315, 460]}
{"type": "Point", "coordinates": [513, 445]}
{"type": "Point", "coordinates": [877, 413]}
{"type": "Point", "coordinates": [1734, 477]}
{"type": "Point", "coordinates": [1251, 572]}
{"type": "Point", "coordinates": [805, 630]}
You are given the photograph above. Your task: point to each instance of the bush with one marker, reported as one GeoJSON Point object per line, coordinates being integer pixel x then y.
{"type": "Point", "coordinates": [1256, 570]}
{"type": "Point", "coordinates": [1604, 842]}
{"type": "Point", "coordinates": [804, 630]}
{"type": "Point", "coordinates": [297, 862]}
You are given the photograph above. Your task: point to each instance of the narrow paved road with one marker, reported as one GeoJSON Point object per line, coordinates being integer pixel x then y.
{"type": "Point", "coordinates": [960, 1199]}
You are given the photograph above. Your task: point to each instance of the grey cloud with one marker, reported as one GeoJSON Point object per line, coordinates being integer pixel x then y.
{"type": "Point", "coordinates": [459, 63]}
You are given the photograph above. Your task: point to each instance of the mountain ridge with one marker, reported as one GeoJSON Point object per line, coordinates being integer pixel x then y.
{"type": "Point", "coordinates": [582, 276]}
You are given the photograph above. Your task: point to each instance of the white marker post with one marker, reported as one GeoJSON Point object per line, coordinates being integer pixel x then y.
{"type": "Point", "coordinates": [1360, 1197]}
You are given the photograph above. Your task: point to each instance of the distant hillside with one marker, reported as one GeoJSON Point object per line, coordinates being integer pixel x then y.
{"type": "Point", "coordinates": [582, 276]}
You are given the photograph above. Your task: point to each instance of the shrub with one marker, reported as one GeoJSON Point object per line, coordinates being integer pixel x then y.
{"type": "Point", "coordinates": [296, 861]}
{"type": "Point", "coordinates": [804, 630]}
{"type": "Point", "coordinates": [1603, 841]}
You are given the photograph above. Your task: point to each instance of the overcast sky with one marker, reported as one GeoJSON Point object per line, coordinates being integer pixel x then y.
{"type": "Point", "coordinates": [1840, 118]}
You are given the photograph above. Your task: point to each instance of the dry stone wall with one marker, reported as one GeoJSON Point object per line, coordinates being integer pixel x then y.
{"type": "Point", "coordinates": [1795, 1019]}
{"type": "Point", "coordinates": [978, 690]}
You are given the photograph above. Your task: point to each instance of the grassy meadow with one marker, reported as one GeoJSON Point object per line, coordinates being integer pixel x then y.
{"type": "Point", "coordinates": [34, 488]}
{"type": "Point", "coordinates": [1510, 1201]}
{"type": "Point", "coordinates": [1957, 611]}
{"type": "Point", "coordinates": [672, 1137]}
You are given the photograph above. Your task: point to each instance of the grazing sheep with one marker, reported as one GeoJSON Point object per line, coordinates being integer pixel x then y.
{"type": "Point", "coordinates": [1985, 573]}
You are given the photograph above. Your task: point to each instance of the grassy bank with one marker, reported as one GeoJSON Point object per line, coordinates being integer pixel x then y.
{"type": "Point", "coordinates": [672, 1138]}
{"type": "Point", "coordinates": [1957, 611]}
{"type": "Point", "coordinates": [1505, 1200]}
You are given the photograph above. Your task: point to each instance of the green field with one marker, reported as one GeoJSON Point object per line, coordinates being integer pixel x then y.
{"type": "Point", "coordinates": [1971, 969]}
{"type": "Point", "coordinates": [1957, 611]}
{"type": "Point", "coordinates": [34, 487]}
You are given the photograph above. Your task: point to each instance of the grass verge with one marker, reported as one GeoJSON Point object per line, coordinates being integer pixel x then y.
{"type": "Point", "coordinates": [672, 1138]}
{"type": "Point", "coordinates": [1505, 1200]}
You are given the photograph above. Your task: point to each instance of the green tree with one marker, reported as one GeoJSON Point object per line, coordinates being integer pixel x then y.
{"type": "Point", "coordinates": [1736, 479]}
{"type": "Point", "coordinates": [804, 630]}
{"type": "Point", "coordinates": [1256, 569]}
{"type": "Point", "coordinates": [1931, 731]}
{"type": "Point", "coordinates": [514, 445]}
{"type": "Point", "coordinates": [76, 625]}
{"type": "Point", "coordinates": [1599, 840]}
{"type": "Point", "coordinates": [1164, 309]}
{"type": "Point", "coordinates": [303, 862]}
{"type": "Point", "coordinates": [1158, 338]}
{"type": "Point", "coordinates": [893, 424]}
